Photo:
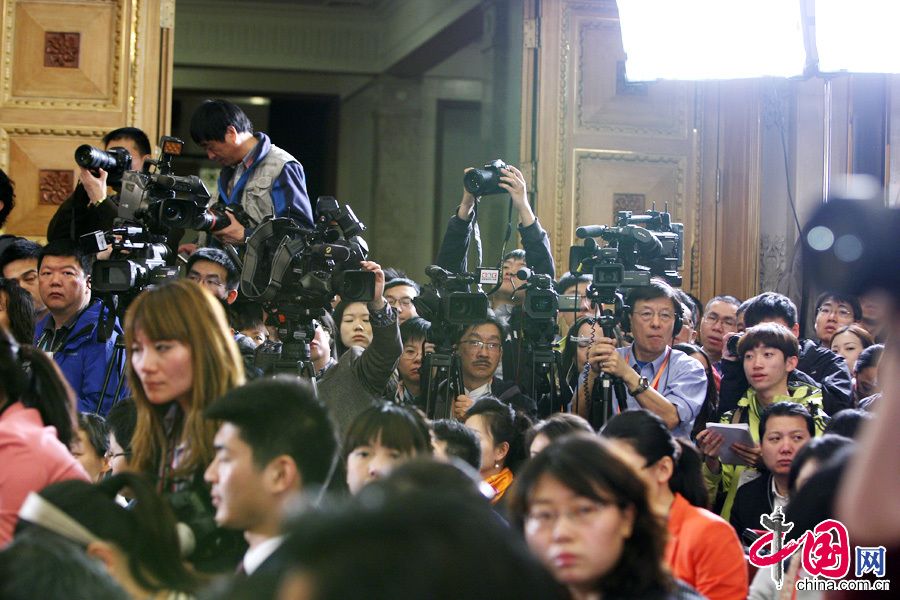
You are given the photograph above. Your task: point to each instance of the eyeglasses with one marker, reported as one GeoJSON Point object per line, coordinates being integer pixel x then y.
{"type": "Point", "coordinates": [583, 342]}
{"type": "Point", "coordinates": [724, 321]}
{"type": "Point", "coordinates": [582, 514]}
{"type": "Point", "coordinates": [402, 302]}
{"type": "Point", "coordinates": [841, 312]}
{"type": "Point", "coordinates": [477, 345]}
{"type": "Point", "coordinates": [210, 280]}
{"type": "Point", "coordinates": [647, 315]}
{"type": "Point", "coordinates": [112, 455]}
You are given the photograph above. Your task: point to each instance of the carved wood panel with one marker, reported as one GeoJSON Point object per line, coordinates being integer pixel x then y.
{"type": "Point", "coordinates": [70, 71]}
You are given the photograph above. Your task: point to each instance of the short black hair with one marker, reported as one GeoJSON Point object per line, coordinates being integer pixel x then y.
{"type": "Point", "coordinates": [657, 288]}
{"type": "Point", "coordinates": [414, 329]}
{"type": "Point", "coordinates": [397, 281]}
{"type": "Point", "coordinates": [771, 335]}
{"type": "Point", "coordinates": [847, 422]}
{"type": "Point", "coordinates": [245, 314]}
{"type": "Point", "coordinates": [490, 319]}
{"type": "Point", "coordinates": [397, 427]}
{"type": "Point", "coordinates": [19, 249]}
{"type": "Point", "coordinates": [97, 432]}
{"type": "Point", "coordinates": [556, 426]}
{"type": "Point", "coordinates": [820, 449]}
{"type": "Point", "coordinates": [461, 441]}
{"type": "Point", "coordinates": [219, 257]}
{"type": "Point", "coordinates": [7, 197]}
{"type": "Point", "coordinates": [570, 279]}
{"type": "Point", "coordinates": [786, 409]}
{"type": "Point", "coordinates": [518, 254]}
{"type": "Point", "coordinates": [122, 420]}
{"type": "Point", "coordinates": [768, 306]}
{"type": "Point", "coordinates": [853, 301]}
{"type": "Point", "coordinates": [691, 304]}
{"type": "Point", "coordinates": [281, 415]}
{"type": "Point", "coordinates": [134, 134]}
{"type": "Point", "coordinates": [212, 119]}
{"type": "Point", "coordinates": [67, 248]}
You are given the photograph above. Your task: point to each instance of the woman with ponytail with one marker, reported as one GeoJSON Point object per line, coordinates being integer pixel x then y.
{"type": "Point", "coordinates": [501, 432]}
{"type": "Point", "coordinates": [703, 550]}
{"type": "Point", "coordinates": [138, 545]}
{"type": "Point", "coordinates": [37, 425]}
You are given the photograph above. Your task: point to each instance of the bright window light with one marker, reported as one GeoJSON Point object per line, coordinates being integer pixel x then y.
{"type": "Point", "coordinates": [858, 36]}
{"type": "Point", "coordinates": [711, 39]}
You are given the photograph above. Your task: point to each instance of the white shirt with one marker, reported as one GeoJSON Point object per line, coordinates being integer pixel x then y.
{"type": "Point", "coordinates": [479, 392]}
{"type": "Point", "coordinates": [777, 499]}
{"type": "Point", "coordinates": [258, 554]}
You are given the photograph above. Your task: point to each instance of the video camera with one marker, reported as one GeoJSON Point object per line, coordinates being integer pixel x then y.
{"type": "Point", "coordinates": [160, 200]}
{"type": "Point", "coordinates": [638, 247]}
{"type": "Point", "coordinates": [285, 263]}
{"type": "Point", "coordinates": [447, 300]}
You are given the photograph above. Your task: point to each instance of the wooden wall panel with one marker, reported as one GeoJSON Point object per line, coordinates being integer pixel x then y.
{"type": "Point", "coordinates": [71, 70]}
{"type": "Point", "coordinates": [603, 143]}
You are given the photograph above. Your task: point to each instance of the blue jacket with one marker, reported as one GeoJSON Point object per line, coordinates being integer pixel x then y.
{"type": "Point", "coordinates": [83, 360]}
{"type": "Point", "coordinates": [274, 185]}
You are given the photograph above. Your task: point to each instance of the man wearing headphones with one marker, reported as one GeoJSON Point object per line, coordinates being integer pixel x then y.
{"type": "Point", "coordinates": [664, 381]}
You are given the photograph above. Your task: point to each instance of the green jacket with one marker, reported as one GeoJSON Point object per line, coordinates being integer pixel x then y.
{"type": "Point", "coordinates": [728, 479]}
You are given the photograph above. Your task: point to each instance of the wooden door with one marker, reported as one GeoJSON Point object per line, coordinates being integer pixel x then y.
{"type": "Point", "coordinates": [597, 143]}
{"type": "Point", "coordinates": [70, 71]}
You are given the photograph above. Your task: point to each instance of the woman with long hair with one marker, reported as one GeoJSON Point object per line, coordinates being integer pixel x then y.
{"type": "Point", "coordinates": [16, 311]}
{"type": "Point", "coordinates": [138, 545]}
{"type": "Point", "coordinates": [585, 515]}
{"type": "Point", "coordinates": [703, 549]}
{"type": "Point", "coordinates": [37, 428]}
{"type": "Point", "coordinates": [181, 357]}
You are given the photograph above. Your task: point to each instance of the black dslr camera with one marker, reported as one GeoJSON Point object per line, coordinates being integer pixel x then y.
{"type": "Point", "coordinates": [114, 161]}
{"type": "Point", "coordinates": [486, 180]}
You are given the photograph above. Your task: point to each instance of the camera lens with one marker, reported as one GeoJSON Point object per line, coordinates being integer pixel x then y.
{"type": "Point", "coordinates": [93, 158]}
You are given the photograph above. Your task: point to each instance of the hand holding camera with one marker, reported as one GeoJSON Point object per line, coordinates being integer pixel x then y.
{"type": "Point", "coordinates": [729, 347]}
{"type": "Point", "coordinates": [94, 185]}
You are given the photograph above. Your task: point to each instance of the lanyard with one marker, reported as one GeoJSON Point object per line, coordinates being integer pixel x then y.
{"type": "Point", "coordinates": [662, 367]}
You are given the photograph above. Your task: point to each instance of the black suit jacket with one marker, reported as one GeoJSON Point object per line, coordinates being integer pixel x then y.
{"type": "Point", "coordinates": [753, 499]}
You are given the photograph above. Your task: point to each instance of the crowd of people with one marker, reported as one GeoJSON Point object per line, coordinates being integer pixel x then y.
{"type": "Point", "coordinates": [147, 452]}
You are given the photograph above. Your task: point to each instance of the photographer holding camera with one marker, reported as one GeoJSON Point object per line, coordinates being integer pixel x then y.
{"type": "Point", "coordinates": [258, 179]}
{"type": "Point", "coordinates": [667, 382]}
{"type": "Point", "coordinates": [86, 209]}
{"type": "Point", "coordinates": [505, 301]}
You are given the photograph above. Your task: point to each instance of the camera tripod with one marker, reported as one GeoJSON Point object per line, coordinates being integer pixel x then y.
{"type": "Point", "coordinates": [441, 372]}
{"type": "Point", "coordinates": [110, 311]}
{"type": "Point", "coordinates": [291, 356]}
{"type": "Point", "coordinates": [601, 407]}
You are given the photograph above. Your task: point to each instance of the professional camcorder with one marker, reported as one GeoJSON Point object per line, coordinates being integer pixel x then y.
{"type": "Point", "coordinates": [286, 263]}
{"type": "Point", "coordinates": [486, 180]}
{"type": "Point", "coordinates": [638, 247]}
{"type": "Point", "coordinates": [295, 272]}
{"type": "Point", "coordinates": [160, 200]}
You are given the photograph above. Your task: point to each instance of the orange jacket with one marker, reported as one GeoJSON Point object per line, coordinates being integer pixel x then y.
{"type": "Point", "coordinates": [704, 551]}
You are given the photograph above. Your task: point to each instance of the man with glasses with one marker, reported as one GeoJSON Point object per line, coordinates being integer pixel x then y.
{"type": "Point", "coordinates": [667, 382]}
{"type": "Point", "coordinates": [833, 311]}
{"type": "Point", "coordinates": [214, 270]}
{"type": "Point", "coordinates": [480, 349]}
{"type": "Point", "coordinates": [719, 320]}
{"type": "Point", "coordinates": [400, 293]}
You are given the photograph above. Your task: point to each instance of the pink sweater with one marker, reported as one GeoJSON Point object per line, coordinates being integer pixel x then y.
{"type": "Point", "coordinates": [31, 458]}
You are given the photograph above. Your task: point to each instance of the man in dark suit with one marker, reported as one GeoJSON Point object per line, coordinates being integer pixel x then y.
{"type": "Point", "coordinates": [275, 442]}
